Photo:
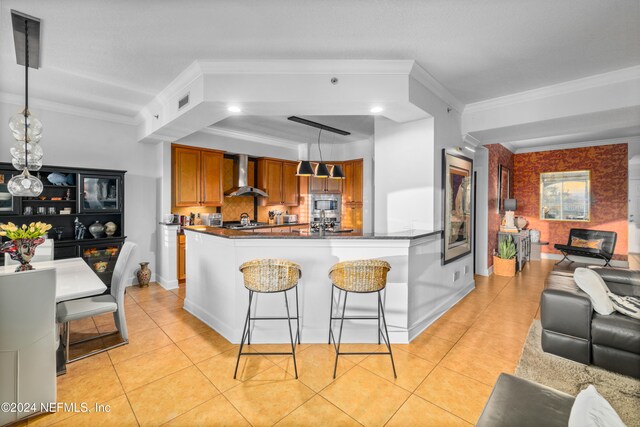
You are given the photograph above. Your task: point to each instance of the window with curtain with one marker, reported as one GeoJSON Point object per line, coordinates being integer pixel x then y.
{"type": "Point", "coordinates": [565, 196]}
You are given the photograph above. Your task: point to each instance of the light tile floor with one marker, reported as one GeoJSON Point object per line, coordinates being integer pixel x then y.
{"type": "Point", "coordinates": [176, 370]}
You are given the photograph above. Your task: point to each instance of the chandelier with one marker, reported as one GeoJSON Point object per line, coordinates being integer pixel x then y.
{"type": "Point", "coordinates": [322, 170]}
{"type": "Point", "coordinates": [26, 153]}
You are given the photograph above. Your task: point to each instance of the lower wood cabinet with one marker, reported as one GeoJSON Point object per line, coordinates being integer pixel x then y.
{"type": "Point", "coordinates": [182, 258]}
{"type": "Point", "coordinates": [352, 216]}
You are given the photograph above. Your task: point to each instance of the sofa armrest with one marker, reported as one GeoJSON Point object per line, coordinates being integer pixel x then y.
{"type": "Point", "coordinates": [566, 312]}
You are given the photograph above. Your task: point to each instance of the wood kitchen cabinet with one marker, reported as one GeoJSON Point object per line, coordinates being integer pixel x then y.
{"type": "Point", "coordinates": [196, 176]}
{"type": "Point", "coordinates": [325, 185]}
{"type": "Point", "coordinates": [352, 198]}
{"type": "Point", "coordinates": [353, 170]}
{"type": "Point", "coordinates": [182, 258]}
{"type": "Point", "coordinates": [278, 179]}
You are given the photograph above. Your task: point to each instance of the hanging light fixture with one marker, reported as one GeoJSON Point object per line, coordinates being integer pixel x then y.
{"type": "Point", "coordinates": [322, 170]}
{"type": "Point", "coordinates": [26, 129]}
{"type": "Point", "coordinates": [336, 172]}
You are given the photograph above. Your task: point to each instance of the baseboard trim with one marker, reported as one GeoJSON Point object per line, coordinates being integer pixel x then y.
{"type": "Point", "coordinates": [585, 260]}
{"type": "Point", "coordinates": [167, 284]}
{"type": "Point", "coordinates": [419, 326]}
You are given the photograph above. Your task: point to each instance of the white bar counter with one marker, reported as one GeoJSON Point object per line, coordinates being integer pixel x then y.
{"type": "Point", "coordinates": [413, 299]}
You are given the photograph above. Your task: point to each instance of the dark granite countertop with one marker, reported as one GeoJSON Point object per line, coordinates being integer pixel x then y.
{"type": "Point", "coordinates": [306, 234]}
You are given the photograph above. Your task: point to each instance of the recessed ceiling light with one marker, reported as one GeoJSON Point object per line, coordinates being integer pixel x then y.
{"type": "Point", "coordinates": [234, 109]}
{"type": "Point", "coordinates": [376, 109]}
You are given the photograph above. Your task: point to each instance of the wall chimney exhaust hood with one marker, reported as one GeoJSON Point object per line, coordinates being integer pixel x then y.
{"type": "Point", "coordinates": [240, 173]}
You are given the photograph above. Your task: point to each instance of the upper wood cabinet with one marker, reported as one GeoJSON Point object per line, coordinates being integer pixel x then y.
{"type": "Point", "coordinates": [353, 182]}
{"type": "Point", "coordinates": [212, 176]}
{"type": "Point", "coordinates": [278, 178]}
{"type": "Point", "coordinates": [196, 176]}
{"type": "Point", "coordinates": [326, 185]}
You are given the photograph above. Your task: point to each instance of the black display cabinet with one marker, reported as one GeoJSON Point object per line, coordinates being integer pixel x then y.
{"type": "Point", "coordinates": [91, 195]}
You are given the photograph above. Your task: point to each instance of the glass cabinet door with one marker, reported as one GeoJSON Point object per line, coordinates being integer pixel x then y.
{"type": "Point", "coordinates": [9, 205]}
{"type": "Point", "coordinates": [100, 193]}
{"type": "Point", "coordinates": [102, 259]}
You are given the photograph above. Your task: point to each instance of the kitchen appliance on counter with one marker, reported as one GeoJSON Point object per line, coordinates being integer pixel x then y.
{"type": "Point", "coordinates": [330, 204]}
{"type": "Point", "coordinates": [212, 219]}
{"type": "Point", "coordinates": [290, 219]}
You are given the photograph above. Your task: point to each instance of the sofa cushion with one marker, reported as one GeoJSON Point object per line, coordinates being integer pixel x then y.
{"type": "Point", "coordinates": [591, 283]}
{"type": "Point", "coordinates": [518, 402]}
{"type": "Point", "coordinates": [617, 331]}
{"type": "Point", "coordinates": [587, 243]}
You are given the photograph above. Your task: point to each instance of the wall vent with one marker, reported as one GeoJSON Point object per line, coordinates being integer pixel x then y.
{"type": "Point", "coordinates": [183, 101]}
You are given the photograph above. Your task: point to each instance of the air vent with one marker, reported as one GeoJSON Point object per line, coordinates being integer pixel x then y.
{"type": "Point", "coordinates": [184, 101]}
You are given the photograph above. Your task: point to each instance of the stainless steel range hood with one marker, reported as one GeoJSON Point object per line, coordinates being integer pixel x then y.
{"type": "Point", "coordinates": [240, 173]}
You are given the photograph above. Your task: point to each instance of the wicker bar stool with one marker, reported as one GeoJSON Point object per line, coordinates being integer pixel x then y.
{"type": "Point", "coordinates": [270, 276]}
{"type": "Point", "coordinates": [362, 276]}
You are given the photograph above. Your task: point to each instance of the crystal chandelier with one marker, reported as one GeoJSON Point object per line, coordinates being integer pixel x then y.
{"type": "Point", "coordinates": [26, 129]}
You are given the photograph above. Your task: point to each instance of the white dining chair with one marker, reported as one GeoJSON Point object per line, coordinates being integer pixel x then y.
{"type": "Point", "coordinates": [44, 252]}
{"type": "Point", "coordinates": [68, 311]}
{"type": "Point", "coordinates": [27, 340]}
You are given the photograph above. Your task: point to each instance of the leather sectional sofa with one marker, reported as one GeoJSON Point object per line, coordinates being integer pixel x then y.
{"type": "Point", "coordinates": [571, 329]}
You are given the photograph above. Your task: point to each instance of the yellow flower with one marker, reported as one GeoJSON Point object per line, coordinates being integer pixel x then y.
{"type": "Point", "coordinates": [3, 233]}
{"type": "Point", "coordinates": [32, 229]}
{"type": "Point", "coordinates": [24, 226]}
{"type": "Point", "coordinates": [32, 224]}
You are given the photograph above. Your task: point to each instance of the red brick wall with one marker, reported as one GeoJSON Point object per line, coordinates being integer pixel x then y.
{"type": "Point", "coordinates": [498, 155]}
{"type": "Point", "coordinates": [609, 187]}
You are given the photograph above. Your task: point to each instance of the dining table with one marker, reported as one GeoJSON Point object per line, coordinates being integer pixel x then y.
{"type": "Point", "coordinates": [74, 279]}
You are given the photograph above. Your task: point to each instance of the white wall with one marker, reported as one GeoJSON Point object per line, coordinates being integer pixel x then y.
{"type": "Point", "coordinates": [403, 176]}
{"type": "Point", "coordinates": [74, 141]}
{"type": "Point", "coordinates": [481, 167]}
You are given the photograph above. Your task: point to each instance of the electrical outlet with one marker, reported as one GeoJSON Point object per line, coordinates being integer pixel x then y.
{"type": "Point", "coordinates": [456, 275]}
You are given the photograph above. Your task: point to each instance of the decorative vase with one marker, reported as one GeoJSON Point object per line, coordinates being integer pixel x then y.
{"type": "Point", "coordinates": [144, 275]}
{"type": "Point", "coordinates": [96, 229]}
{"type": "Point", "coordinates": [110, 228]}
{"type": "Point", "coordinates": [100, 266]}
{"type": "Point", "coordinates": [521, 222]}
{"type": "Point", "coordinates": [535, 236]}
{"type": "Point", "coordinates": [22, 250]}
{"type": "Point", "coordinates": [504, 267]}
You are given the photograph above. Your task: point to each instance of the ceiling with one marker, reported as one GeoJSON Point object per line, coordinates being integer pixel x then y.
{"type": "Point", "coordinates": [115, 56]}
{"type": "Point", "coordinates": [278, 127]}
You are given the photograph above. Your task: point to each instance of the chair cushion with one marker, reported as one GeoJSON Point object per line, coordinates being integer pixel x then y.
{"type": "Point", "coordinates": [617, 331]}
{"type": "Point", "coordinates": [590, 409]}
{"type": "Point", "coordinates": [85, 307]}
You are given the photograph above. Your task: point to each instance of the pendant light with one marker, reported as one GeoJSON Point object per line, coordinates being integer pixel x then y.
{"type": "Point", "coordinates": [336, 172]}
{"type": "Point", "coordinates": [26, 129]}
{"type": "Point", "coordinates": [304, 168]}
{"type": "Point", "coordinates": [322, 171]}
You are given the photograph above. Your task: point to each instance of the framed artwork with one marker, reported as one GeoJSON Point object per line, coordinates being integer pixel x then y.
{"type": "Point", "coordinates": [457, 174]}
{"type": "Point", "coordinates": [504, 186]}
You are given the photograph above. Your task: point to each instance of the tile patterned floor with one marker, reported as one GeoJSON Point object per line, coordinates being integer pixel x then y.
{"type": "Point", "coordinates": [178, 371]}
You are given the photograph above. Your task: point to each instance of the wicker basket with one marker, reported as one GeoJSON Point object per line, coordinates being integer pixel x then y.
{"type": "Point", "coordinates": [368, 275]}
{"type": "Point", "coordinates": [270, 274]}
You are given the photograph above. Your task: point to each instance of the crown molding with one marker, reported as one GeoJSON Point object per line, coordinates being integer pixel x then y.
{"type": "Point", "coordinates": [430, 82]}
{"type": "Point", "coordinates": [43, 104]}
{"type": "Point", "coordinates": [509, 146]}
{"type": "Point", "coordinates": [247, 136]}
{"type": "Point", "coordinates": [304, 66]}
{"type": "Point", "coordinates": [474, 142]}
{"type": "Point", "coordinates": [582, 144]}
{"type": "Point", "coordinates": [597, 80]}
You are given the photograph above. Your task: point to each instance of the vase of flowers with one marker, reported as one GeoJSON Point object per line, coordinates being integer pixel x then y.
{"type": "Point", "coordinates": [23, 241]}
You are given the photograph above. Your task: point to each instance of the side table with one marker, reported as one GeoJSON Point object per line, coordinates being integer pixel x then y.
{"type": "Point", "coordinates": [536, 249]}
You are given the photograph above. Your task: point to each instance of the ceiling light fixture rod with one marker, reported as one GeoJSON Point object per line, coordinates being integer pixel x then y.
{"type": "Point", "coordinates": [318, 125]}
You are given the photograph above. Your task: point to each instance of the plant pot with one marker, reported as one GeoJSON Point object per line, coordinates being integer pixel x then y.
{"type": "Point", "coordinates": [504, 267]}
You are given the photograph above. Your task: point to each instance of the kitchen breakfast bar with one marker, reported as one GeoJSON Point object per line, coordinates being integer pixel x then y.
{"type": "Point", "coordinates": [413, 299]}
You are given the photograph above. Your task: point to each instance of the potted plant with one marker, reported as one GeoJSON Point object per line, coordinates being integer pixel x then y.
{"type": "Point", "coordinates": [23, 241]}
{"type": "Point", "coordinates": [504, 263]}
